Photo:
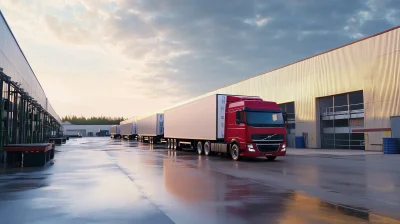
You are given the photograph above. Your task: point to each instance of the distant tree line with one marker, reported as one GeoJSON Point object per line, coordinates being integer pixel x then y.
{"type": "Point", "coordinates": [92, 120]}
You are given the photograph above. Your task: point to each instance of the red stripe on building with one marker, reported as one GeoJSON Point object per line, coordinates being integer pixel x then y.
{"type": "Point", "coordinates": [371, 130]}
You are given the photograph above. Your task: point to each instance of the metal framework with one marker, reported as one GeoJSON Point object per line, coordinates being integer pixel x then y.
{"type": "Point", "coordinates": [23, 119]}
{"type": "Point", "coordinates": [342, 112]}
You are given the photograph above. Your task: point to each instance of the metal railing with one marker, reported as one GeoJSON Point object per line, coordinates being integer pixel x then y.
{"type": "Point", "coordinates": [343, 109]}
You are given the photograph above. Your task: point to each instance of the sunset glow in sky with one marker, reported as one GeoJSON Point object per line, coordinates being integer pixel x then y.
{"type": "Point", "coordinates": [129, 57]}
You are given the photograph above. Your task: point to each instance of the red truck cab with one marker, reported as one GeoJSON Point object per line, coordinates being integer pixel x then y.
{"type": "Point", "coordinates": [255, 128]}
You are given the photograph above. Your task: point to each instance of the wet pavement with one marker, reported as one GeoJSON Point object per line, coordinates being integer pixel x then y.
{"type": "Point", "coordinates": [99, 180]}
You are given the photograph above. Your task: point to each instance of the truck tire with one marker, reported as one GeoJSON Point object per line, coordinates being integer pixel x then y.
{"type": "Point", "coordinates": [174, 144]}
{"type": "Point", "coordinates": [235, 150]}
{"type": "Point", "coordinates": [168, 143]}
{"type": "Point", "coordinates": [271, 158]}
{"type": "Point", "coordinates": [194, 146]}
{"type": "Point", "coordinates": [207, 148]}
{"type": "Point", "coordinates": [199, 148]}
{"type": "Point", "coordinates": [177, 144]}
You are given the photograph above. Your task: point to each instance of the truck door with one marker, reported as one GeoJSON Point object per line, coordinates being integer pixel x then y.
{"type": "Point", "coordinates": [235, 128]}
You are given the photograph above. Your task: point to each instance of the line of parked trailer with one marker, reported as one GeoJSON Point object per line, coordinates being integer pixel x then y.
{"type": "Point", "coordinates": [241, 126]}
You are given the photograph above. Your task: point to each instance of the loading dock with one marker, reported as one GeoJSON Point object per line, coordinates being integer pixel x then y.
{"type": "Point", "coordinates": [339, 116]}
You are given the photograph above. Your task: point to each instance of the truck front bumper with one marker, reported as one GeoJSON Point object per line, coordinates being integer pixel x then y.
{"type": "Point", "coordinates": [262, 154]}
{"type": "Point", "coordinates": [252, 150]}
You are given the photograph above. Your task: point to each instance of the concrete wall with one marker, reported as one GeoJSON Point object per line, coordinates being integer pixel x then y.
{"type": "Point", "coordinates": [15, 65]}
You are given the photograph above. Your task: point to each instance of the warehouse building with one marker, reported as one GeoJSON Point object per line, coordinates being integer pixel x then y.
{"type": "Point", "coordinates": [345, 98]}
{"type": "Point", "coordinates": [27, 115]}
{"type": "Point", "coordinates": [85, 130]}
{"type": "Point", "coordinates": [15, 65]}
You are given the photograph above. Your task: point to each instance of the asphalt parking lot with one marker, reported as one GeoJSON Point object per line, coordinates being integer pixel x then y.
{"type": "Point", "coordinates": [100, 180]}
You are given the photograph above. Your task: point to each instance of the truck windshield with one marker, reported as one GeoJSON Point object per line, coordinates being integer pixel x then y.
{"type": "Point", "coordinates": [264, 118]}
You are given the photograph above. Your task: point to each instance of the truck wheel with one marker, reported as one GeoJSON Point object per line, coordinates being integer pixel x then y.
{"type": "Point", "coordinates": [271, 158]}
{"type": "Point", "coordinates": [168, 144]}
{"type": "Point", "coordinates": [174, 144]}
{"type": "Point", "coordinates": [199, 148]}
{"type": "Point", "coordinates": [177, 144]}
{"type": "Point", "coordinates": [194, 146]}
{"type": "Point", "coordinates": [235, 152]}
{"type": "Point", "coordinates": [207, 148]}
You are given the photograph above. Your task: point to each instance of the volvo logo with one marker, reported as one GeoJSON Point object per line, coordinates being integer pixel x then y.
{"type": "Point", "coordinates": [269, 137]}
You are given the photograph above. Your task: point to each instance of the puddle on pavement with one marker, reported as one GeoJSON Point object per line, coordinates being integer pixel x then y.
{"type": "Point", "coordinates": [230, 199]}
{"type": "Point", "coordinates": [15, 183]}
{"type": "Point", "coordinates": [18, 187]}
{"type": "Point", "coordinates": [254, 202]}
{"type": "Point", "coordinates": [116, 150]}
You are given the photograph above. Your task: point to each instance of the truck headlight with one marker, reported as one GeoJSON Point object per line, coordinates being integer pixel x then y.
{"type": "Point", "coordinates": [283, 148]}
{"type": "Point", "coordinates": [251, 148]}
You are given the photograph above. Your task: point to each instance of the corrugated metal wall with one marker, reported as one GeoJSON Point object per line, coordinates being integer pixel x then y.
{"type": "Point", "coordinates": [371, 65]}
{"type": "Point", "coordinates": [17, 67]}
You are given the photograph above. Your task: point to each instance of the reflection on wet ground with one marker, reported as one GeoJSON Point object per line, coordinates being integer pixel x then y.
{"type": "Point", "coordinates": [100, 180]}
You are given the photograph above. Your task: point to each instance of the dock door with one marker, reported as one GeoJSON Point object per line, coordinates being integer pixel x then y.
{"type": "Point", "coordinates": [339, 115]}
{"type": "Point", "coordinates": [291, 128]}
{"type": "Point", "coordinates": [395, 126]}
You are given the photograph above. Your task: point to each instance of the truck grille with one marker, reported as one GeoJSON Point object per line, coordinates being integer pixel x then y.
{"type": "Point", "coordinates": [267, 148]}
{"type": "Point", "coordinates": [268, 137]}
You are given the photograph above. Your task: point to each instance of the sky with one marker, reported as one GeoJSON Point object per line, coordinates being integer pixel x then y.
{"type": "Point", "coordinates": [131, 57]}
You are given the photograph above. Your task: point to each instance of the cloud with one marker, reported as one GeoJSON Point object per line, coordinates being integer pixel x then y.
{"type": "Point", "coordinates": [257, 21]}
{"type": "Point", "coordinates": [67, 31]}
{"type": "Point", "coordinates": [170, 50]}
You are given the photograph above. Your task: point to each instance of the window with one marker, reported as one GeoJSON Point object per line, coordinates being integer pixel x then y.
{"type": "Point", "coordinates": [342, 123]}
{"type": "Point", "coordinates": [356, 100]}
{"type": "Point", "coordinates": [357, 122]}
{"type": "Point", "coordinates": [264, 118]}
{"type": "Point", "coordinates": [289, 109]}
{"type": "Point", "coordinates": [291, 126]}
{"type": "Point", "coordinates": [327, 123]}
{"type": "Point", "coordinates": [239, 117]}
{"type": "Point", "coordinates": [340, 100]}
{"type": "Point", "coordinates": [325, 102]}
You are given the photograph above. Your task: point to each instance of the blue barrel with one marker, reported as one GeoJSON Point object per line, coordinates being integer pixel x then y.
{"type": "Point", "coordinates": [300, 142]}
{"type": "Point", "coordinates": [390, 146]}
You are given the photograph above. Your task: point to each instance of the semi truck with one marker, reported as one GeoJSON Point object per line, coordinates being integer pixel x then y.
{"type": "Point", "coordinates": [115, 131]}
{"type": "Point", "coordinates": [239, 126]}
{"type": "Point", "coordinates": [128, 129]}
{"type": "Point", "coordinates": [151, 128]}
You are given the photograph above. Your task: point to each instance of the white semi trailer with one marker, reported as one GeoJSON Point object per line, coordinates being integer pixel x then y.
{"type": "Point", "coordinates": [129, 129]}
{"type": "Point", "coordinates": [242, 126]}
{"type": "Point", "coordinates": [151, 128]}
{"type": "Point", "coordinates": [115, 131]}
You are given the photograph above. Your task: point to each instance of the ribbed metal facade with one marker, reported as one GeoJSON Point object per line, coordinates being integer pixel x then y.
{"type": "Point", "coordinates": [15, 65]}
{"type": "Point", "coordinates": [370, 65]}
